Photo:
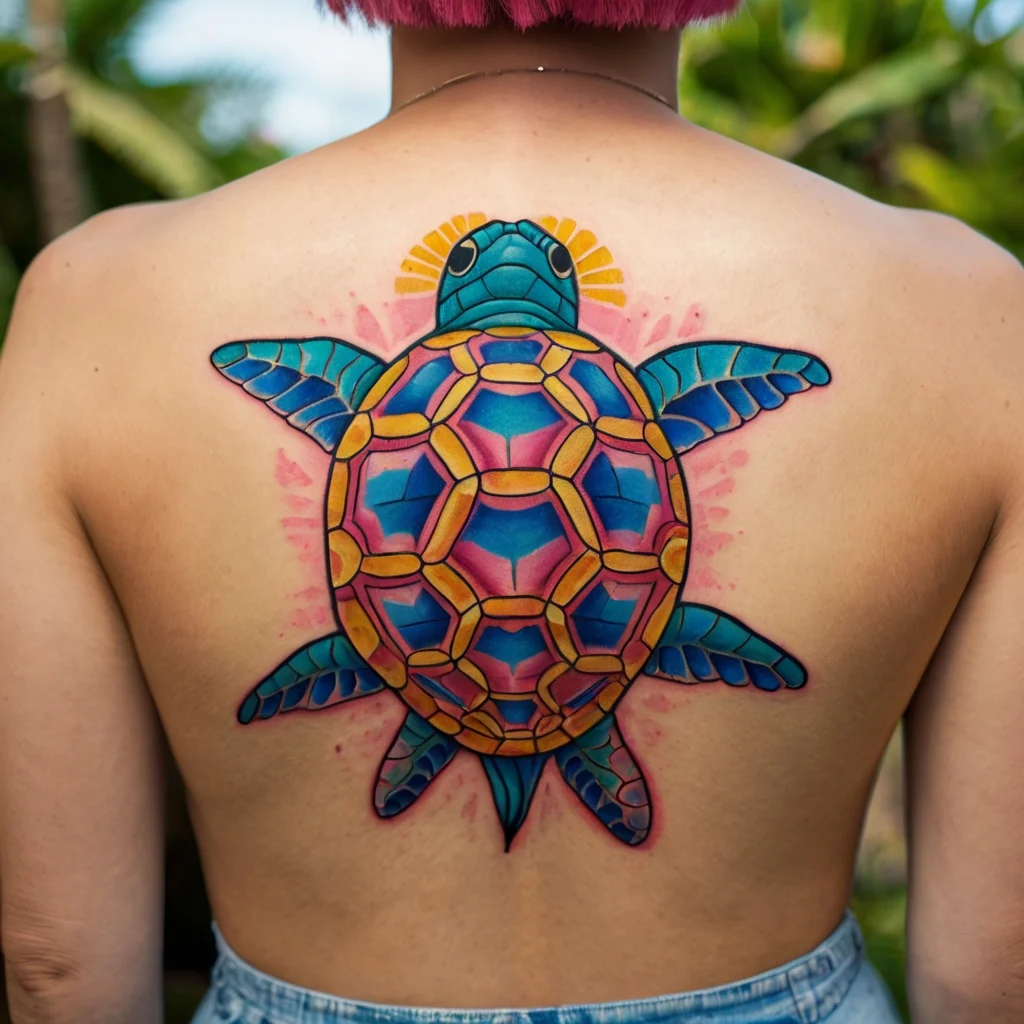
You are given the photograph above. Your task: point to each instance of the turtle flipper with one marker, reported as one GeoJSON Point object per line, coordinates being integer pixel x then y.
{"type": "Point", "coordinates": [415, 759]}
{"type": "Point", "coordinates": [703, 645]}
{"type": "Point", "coordinates": [315, 384]}
{"type": "Point", "coordinates": [703, 389]}
{"type": "Point", "coordinates": [513, 782]}
{"type": "Point", "coordinates": [600, 768]}
{"type": "Point", "coordinates": [325, 672]}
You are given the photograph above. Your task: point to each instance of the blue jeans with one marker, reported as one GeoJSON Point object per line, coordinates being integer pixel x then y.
{"type": "Point", "coordinates": [833, 983]}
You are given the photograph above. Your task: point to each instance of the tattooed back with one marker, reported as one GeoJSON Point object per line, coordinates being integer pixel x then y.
{"type": "Point", "coordinates": [529, 547]}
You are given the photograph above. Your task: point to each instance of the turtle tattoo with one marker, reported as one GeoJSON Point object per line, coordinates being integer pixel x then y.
{"type": "Point", "coordinates": [507, 527]}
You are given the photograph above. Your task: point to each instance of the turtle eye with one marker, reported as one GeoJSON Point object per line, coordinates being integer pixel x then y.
{"type": "Point", "coordinates": [560, 260]}
{"type": "Point", "coordinates": [462, 257]}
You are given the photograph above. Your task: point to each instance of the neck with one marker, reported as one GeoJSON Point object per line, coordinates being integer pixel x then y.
{"type": "Point", "coordinates": [423, 59]}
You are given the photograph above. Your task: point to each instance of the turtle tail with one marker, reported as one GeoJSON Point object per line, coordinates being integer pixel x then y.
{"type": "Point", "coordinates": [513, 782]}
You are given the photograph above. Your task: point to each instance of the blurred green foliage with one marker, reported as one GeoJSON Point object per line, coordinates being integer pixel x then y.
{"type": "Point", "coordinates": [137, 141]}
{"type": "Point", "coordinates": [888, 97]}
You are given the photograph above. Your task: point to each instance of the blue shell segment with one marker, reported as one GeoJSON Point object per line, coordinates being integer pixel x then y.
{"type": "Point", "coordinates": [402, 499]}
{"type": "Point", "coordinates": [601, 619]}
{"type": "Point", "coordinates": [511, 416]}
{"type": "Point", "coordinates": [623, 496]}
{"type": "Point", "coordinates": [319, 675]}
{"type": "Point", "coordinates": [512, 534]}
{"type": "Point", "coordinates": [415, 394]}
{"type": "Point", "coordinates": [512, 647]}
{"type": "Point", "coordinates": [704, 389]}
{"type": "Point", "coordinates": [422, 623]}
{"type": "Point", "coordinates": [417, 755]}
{"type": "Point", "coordinates": [316, 385]}
{"type": "Point", "coordinates": [510, 284]}
{"type": "Point", "coordinates": [702, 645]}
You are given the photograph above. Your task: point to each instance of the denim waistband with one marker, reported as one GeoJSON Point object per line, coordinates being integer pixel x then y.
{"type": "Point", "coordinates": [805, 991]}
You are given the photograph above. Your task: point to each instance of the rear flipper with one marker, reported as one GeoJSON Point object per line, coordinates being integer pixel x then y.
{"type": "Point", "coordinates": [703, 645]}
{"type": "Point", "coordinates": [605, 776]}
{"type": "Point", "coordinates": [319, 675]}
{"type": "Point", "coordinates": [415, 759]}
{"type": "Point", "coordinates": [513, 782]}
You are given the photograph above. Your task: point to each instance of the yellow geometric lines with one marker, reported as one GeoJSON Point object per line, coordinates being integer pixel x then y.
{"type": "Point", "coordinates": [584, 720]}
{"type": "Point", "coordinates": [574, 449]}
{"type": "Point", "coordinates": [356, 437]}
{"type": "Point", "coordinates": [544, 692]}
{"type": "Point", "coordinates": [565, 398]}
{"type": "Point", "coordinates": [576, 577]}
{"type": "Point", "coordinates": [462, 359]}
{"type": "Point", "coordinates": [659, 620]}
{"type": "Point", "coordinates": [628, 561]}
{"type": "Point", "coordinates": [655, 437]}
{"type": "Point", "coordinates": [421, 269]}
{"type": "Point", "coordinates": [405, 424]}
{"type": "Point", "coordinates": [635, 657]}
{"type": "Point", "coordinates": [428, 658]}
{"type": "Point", "coordinates": [345, 557]}
{"type": "Point", "coordinates": [451, 520]}
{"type": "Point", "coordinates": [451, 586]}
{"type": "Point", "coordinates": [512, 373]}
{"type": "Point", "coordinates": [456, 393]}
{"type": "Point", "coordinates": [465, 630]}
{"type": "Point", "coordinates": [453, 454]}
{"type": "Point", "coordinates": [577, 510]}
{"type": "Point", "coordinates": [555, 358]}
{"type": "Point", "coordinates": [599, 664]}
{"type": "Point", "coordinates": [677, 494]}
{"type": "Point", "coordinates": [512, 607]}
{"type": "Point", "coordinates": [383, 384]}
{"type": "Point", "coordinates": [449, 340]}
{"type": "Point", "coordinates": [627, 430]}
{"type": "Point", "coordinates": [575, 342]}
{"type": "Point", "coordinates": [674, 555]}
{"type": "Point", "coordinates": [514, 481]}
{"type": "Point", "coordinates": [595, 268]}
{"type": "Point", "coordinates": [388, 566]}
{"type": "Point", "coordinates": [632, 385]}
{"type": "Point", "coordinates": [560, 633]}
{"type": "Point", "coordinates": [337, 494]}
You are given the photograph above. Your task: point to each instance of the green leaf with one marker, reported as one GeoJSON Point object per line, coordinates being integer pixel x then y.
{"type": "Point", "coordinates": [138, 138]}
{"type": "Point", "coordinates": [14, 51]}
{"type": "Point", "coordinates": [897, 81]}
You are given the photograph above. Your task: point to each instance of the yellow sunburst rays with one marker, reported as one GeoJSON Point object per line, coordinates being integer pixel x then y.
{"type": "Point", "coordinates": [595, 265]}
{"type": "Point", "coordinates": [421, 269]}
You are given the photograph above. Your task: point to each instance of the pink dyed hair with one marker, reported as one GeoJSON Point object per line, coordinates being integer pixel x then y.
{"type": "Point", "coordinates": [617, 14]}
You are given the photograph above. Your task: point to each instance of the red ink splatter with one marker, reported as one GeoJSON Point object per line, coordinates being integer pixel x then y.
{"type": "Point", "coordinates": [649, 732]}
{"type": "Point", "coordinates": [337, 748]}
{"type": "Point", "coordinates": [300, 523]}
{"type": "Point", "coordinates": [469, 808]}
{"type": "Point", "coordinates": [660, 331]}
{"type": "Point", "coordinates": [693, 322]}
{"type": "Point", "coordinates": [368, 329]}
{"type": "Point", "coordinates": [599, 319]}
{"type": "Point", "coordinates": [700, 466]}
{"type": "Point", "coordinates": [739, 458]}
{"type": "Point", "coordinates": [719, 490]}
{"type": "Point", "coordinates": [290, 473]}
{"type": "Point", "coordinates": [297, 502]}
{"type": "Point", "coordinates": [407, 316]}
{"type": "Point", "coordinates": [705, 577]}
{"type": "Point", "coordinates": [308, 593]}
{"type": "Point", "coordinates": [657, 702]}
{"type": "Point", "coordinates": [710, 543]}
{"type": "Point", "coordinates": [717, 513]}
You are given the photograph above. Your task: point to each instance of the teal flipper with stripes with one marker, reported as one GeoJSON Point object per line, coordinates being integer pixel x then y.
{"type": "Point", "coordinates": [316, 384]}
{"type": "Point", "coordinates": [704, 389]}
{"type": "Point", "coordinates": [319, 675]}
{"type": "Point", "coordinates": [704, 645]}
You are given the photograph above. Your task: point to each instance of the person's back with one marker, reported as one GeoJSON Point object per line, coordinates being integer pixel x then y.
{"type": "Point", "coordinates": [526, 767]}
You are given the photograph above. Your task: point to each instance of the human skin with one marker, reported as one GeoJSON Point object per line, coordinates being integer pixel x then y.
{"type": "Point", "coordinates": [161, 550]}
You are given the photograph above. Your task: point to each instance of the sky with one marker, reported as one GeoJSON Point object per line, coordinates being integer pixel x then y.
{"type": "Point", "coordinates": [323, 79]}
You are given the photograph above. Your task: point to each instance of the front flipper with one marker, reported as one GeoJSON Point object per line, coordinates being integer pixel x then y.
{"type": "Point", "coordinates": [703, 389]}
{"type": "Point", "coordinates": [316, 385]}
{"type": "Point", "coordinates": [703, 645]}
{"type": "Point", "coordinates": [325, 672]}
{"type": "Point", "coordinates": [513, 782]}
{"type": "Point", "coordinates": [602, 771]}
{"type": "Point", "coordinates": [417, 755]}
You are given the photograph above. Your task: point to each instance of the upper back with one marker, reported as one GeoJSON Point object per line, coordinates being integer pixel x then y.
{"type": "Point", "coordinates": [836, 503]}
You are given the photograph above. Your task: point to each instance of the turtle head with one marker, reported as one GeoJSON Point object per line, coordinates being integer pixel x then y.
{"type": "Point", "coordinates": [508, 274]}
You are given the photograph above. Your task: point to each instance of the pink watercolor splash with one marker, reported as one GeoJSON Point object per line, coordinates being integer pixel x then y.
{"type": "Point", "coordinates": [693, 322]}
{"type": "Point", "coordinates": [312, 608]}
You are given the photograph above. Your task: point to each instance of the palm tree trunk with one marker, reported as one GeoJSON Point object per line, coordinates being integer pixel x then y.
{"type": "Point", "coordinates": [54, 157]}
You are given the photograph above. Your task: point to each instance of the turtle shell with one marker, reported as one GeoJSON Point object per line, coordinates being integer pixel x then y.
{"type": "Point", "coordinates": [507, 534]}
